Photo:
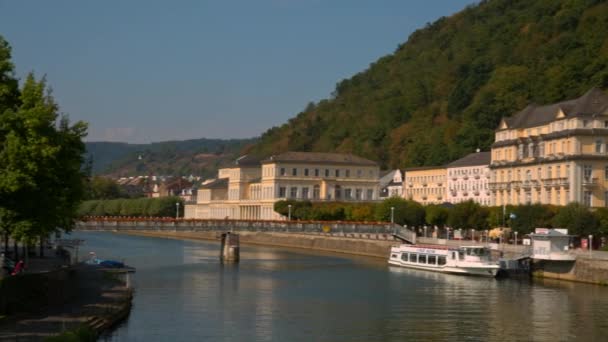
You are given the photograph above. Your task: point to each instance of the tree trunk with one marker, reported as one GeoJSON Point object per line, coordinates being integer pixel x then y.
{"type": "Point", "coordinates": [41, 247]}
{"type": "Point", "coordinates": [16, 256]}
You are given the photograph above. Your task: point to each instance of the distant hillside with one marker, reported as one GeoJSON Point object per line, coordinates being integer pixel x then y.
{"type": "Point", "coordinates": [198, 157]}
{"type": "Point", "coordinates": [441, 94]}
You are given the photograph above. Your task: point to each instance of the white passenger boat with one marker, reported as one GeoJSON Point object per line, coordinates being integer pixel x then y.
{"type": "Point", "coordinates": [466, 260]}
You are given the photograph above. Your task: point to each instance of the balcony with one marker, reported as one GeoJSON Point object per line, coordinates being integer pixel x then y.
{"type": "Point", "coordinates": [465, 177]}
{"type": "Point", "coordinates": [476, 176]}
{"type": "Point", "coordinates": [516, 185]}
{"type": "Point", "coordinates": [589, 182]}
{"type": "Point", "coordinates": [526, 184]}
{"type": "Point", "coordinates": [440, 184]}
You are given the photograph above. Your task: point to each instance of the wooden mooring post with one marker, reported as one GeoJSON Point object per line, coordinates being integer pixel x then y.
{"type": "Point", "coordinates": [230, 247]}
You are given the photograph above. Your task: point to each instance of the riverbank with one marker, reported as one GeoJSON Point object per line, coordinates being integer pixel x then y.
{"type": "Point", "coordinates": [378, 248]}
{"type": "Point", "coordinates": [62, 300]}
{"type": "Point", "coordinates": [585, 270]}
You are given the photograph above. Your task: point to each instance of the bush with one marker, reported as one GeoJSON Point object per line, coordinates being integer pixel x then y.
{"type": "Point", "coordinates": [157, 207]}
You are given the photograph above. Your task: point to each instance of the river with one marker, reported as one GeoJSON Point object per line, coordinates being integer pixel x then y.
{"type": "Point", "coordinates": [183, 293]}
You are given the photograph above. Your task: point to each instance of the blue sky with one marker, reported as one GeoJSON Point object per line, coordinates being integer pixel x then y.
{"type": "Point", "coordinates": [143, 71]}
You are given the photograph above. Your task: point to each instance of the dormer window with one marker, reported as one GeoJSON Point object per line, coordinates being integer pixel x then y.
{"type": "Point", "coordinates": [585, 123]}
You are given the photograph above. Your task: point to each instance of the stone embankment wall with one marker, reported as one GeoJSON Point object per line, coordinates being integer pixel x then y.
{"type": "Point", "coordinates": [586, 269]}
{"type": "Point", "coordinates": [378, 247]}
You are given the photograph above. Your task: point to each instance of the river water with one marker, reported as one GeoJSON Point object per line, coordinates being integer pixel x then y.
{"type": "Point", "coordinates": [183, 293]}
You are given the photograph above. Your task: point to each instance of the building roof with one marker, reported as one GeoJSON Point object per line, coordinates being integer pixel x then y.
{"type": "Point", "coordinates": [248, 160]}
{"type": "Point", "coordinates": [594, 101]}
{"type": "Point", "coordinates": [320, 157]}
{"type": "Point", "coordinates": [424, 168]}
{"type": "Point", "coordinates": [220, 183]}
{"type": "Point", "coordinates": [472, 159]}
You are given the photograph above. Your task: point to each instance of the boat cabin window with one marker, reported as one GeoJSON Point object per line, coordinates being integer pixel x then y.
{"type": "Point", "coordinates": [453, 255]}
{"type": "Point", "coordinates": [476, 251]}
{"type": "Point", "coordinates": [403, 256]}
{"type": "Point", "coordinates": [441, 260]}
{"type": "Point", "coordinates": [394, 256]}
{"type": "Point", "coordinates": [432, 260]}
{"type": "Point", "coordinates": [413, 257]}
{"type": "Point", "coordinates": [461, 254]}
{"type": "Point", "coordinates": [422, 259]}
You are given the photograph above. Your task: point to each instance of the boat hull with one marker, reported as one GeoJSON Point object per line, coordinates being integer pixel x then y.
{"type": "Point", "coordinates": [478, 271]}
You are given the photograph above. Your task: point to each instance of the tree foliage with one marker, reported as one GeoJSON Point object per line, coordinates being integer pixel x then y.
{"type": "Point", "coordinates": [133, 207]}
{"type": "Point", "coordinates": [442, 93]}
{"type": "Point", "coordinates": [41, 154]}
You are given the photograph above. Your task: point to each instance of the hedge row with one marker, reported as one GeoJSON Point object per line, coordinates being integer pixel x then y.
{"type": "Point", "coordinates": [137, 207]}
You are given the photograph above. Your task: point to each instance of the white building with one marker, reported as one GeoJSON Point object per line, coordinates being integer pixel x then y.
{"type": "Point", "coordinates": [469, 178]}
{"type": "Point", "coordinates": [391, 184]}
{"type": "Point", "coordinates": [249, 189]}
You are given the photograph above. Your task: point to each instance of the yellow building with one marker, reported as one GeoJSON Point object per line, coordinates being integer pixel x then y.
{"type": "Point", "coordinates": [250, 188]}
{"type": "Point", "coordinates": [553, 154]}
{"type": "Point", "coordinates": [425, 185]}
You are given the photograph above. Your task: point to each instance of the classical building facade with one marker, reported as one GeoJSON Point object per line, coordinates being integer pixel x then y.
{"type": "Point", "coordinates": [391, 184]}
{"type": "Point", "coordinates": [553, 154]}
{"type": "Point", "coordinates": [426, 185]}
{"type": "Point", "coordinates": [469, 179]}
{"type": "Point", "coordinates": [250, 188]}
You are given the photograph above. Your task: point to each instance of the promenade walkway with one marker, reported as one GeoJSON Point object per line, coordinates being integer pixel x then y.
{"type": "Point", "coordinates": [98, 298]}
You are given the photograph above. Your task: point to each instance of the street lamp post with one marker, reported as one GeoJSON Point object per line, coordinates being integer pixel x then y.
{"type": "Point", "coordinates": [590, 244]}
{"type": "Point", "coordinates": [176, 210]}
{"type": "Point", "coordinates": [289, 213]}
{"type": "Point", "coordinates": [392, 215]}
{"type": "Point", "coordinates": [515, 238]}
{"type": "Point", "coordinates": [424, 231]}
{"type": "Point", "coordinates": [472, 234]}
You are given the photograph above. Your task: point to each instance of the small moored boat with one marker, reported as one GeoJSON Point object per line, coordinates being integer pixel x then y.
{"type": "Point", "coordinates": [466, 260]}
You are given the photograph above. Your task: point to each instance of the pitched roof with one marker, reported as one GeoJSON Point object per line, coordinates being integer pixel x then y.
{"type": "Point", "coordinates": [221, 183]}
{"type": "Point", "coordinates": [247, 160]}
{"type": "Point", "coordinates": [594, 101]}
{"type": "Point", "coordinates": [320, 157]}
{"type": "Point", "coordinates": [472, 159]}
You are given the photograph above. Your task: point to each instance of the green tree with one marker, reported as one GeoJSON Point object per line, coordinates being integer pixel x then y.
{"type": "Point", "coordinates": [104, 188]}
{"type": "Point", "coordinates": [405, 212]}
{"type": "Point", "coordinates": [436, 215]}
{"type": "Point", "coordinates": [41, 179]}
{"type": "Point", "coordinates": [577, 219]}
{"type": "Point", "coordinates": [530, 216]}
{"type": "Point", "coordinates": [468, 214]}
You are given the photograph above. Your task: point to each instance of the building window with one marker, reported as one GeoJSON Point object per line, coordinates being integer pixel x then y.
{"type": "Point", "coordinates": [337, 172]}
{"type": "Point", "coordinates": [549, 172]}
{"type": "Point", "coordinates": [558, 198]}
{"type": "Point", "coordinates": [599, 144]}
{"type": "Point", "coordinates": [358, 194]}
{"type": "Point", "coordinates": [305, 193]}
{"type": "Point", "coordinates": [548, 196]}
{"type": "Point", "coordinates": [338, 192]}
{"type": "Point", "coordinates": [567, 171]}
{"type": "Point", "coordinates": [283, 173]}
{"type": "Point", "coordinates": [587, 198]}
{"type": "Point", "coordinates": [282, 192]}
{"type": "Point", "coordinates": [567, 196]}
{"type": "Point", "coordinates": [326, 172]}
{"type": "Point", "coordinates": [359, 173]}
{"type": "Point", "coordinates": [587, 172]}
{"type": "Point", "coordinates": [347, 173]}
{"type": "Point", "coordinates": [557, 172]}
{"type": "Point", "coordinates": [605, 124]}
{"type": "Point", "coordinates": [293, 192]}
{"type": "Point", "coordinates": [305, 172]}
{"type": "Point", "coordinates": [528, 197]}
{"type": "Point", "coordinates": [316, 172]}
{"type": "Point", "coordinates": [541, 149]}
{"type": "Point", "coordinates": [316, 192]}
{"type": "Point", "coordinates": [348, 193]}
{"type": "Point", "coordinates": [294, 172]}
{"type": "Point", "coordinates": [370, 194]}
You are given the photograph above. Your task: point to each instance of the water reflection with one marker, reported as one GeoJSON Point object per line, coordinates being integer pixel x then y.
{"type": "Point", "coordinates": [185, 294]}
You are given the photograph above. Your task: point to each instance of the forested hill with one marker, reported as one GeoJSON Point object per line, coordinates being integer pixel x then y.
{"type": "Point", "coordinates": [441, 94]}
{"type": "Point", "coordinates": [198, 157]}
